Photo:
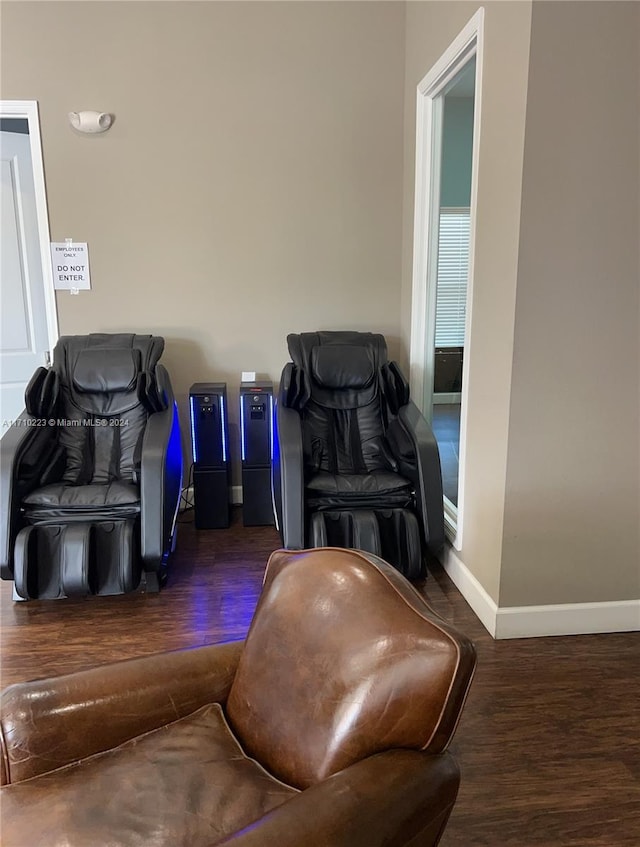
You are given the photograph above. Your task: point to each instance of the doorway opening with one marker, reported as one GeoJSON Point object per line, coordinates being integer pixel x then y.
{"type": "Point", "coordinates": [448, 122]}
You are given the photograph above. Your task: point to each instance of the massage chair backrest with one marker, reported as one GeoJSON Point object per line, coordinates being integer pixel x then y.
{"type": "Point", "coordinates": [99, 392]}
{"type": "Point", "coordinates": [345, 391]}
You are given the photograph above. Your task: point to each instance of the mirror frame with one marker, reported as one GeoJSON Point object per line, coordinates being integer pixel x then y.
{"type": "Point", "coordinates": [430, 90]}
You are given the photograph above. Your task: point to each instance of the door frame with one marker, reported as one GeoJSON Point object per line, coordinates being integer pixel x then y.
{"type": "Point", "coordinates": [429, 108]}
{"type": "Point", "coordinates": [28, 109]}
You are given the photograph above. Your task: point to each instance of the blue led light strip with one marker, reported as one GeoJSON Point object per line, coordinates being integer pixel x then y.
{"type": "Point", "coordinates": [271, 425]}
{"type": "Point", "coordinates": [223, 421]}
{"type": "Point", "coordinates": [193, 429]}
{"type": "Point", "coordinates": [242, 450]}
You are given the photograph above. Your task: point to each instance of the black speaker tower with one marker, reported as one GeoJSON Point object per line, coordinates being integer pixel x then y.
{"type": "Point", "coordinates": [210, 444]}
{"type": "Point", "coordinates": [256, 443]}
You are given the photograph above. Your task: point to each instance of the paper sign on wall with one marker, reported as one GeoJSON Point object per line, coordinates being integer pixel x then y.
{"type": "Point", "coordinates": [70, 260]}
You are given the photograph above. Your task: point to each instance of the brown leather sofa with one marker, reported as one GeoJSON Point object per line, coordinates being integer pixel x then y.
{"type": "Point", "coordinates": [327, 726]}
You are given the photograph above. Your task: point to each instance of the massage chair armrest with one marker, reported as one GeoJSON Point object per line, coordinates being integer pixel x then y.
{"type": "Point", "coordinates": [160, 477]}
{"type": "Point", "coordinates": [25, 451]}
{"type": "Point", "coordinates": [416, 450]}
{"type": "Point", "coordinates": [387, 800]}
{"type": "Point", "coordinates": [288, 477]}
{"type": "Point", "coordinates": [53, 722]}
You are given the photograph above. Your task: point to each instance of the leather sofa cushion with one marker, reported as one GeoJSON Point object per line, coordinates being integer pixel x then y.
{"type": "Point", "coordinates": [188, 784]}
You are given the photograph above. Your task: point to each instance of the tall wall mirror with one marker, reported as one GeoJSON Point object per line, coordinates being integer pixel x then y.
{"type": "Point", "coordinates": [447, 150]}
{"type": "Point", "coordinates": [445, 381]}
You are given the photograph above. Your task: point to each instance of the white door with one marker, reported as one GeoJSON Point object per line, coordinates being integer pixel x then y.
{"type": "Point", "coordinates": [26, 303]}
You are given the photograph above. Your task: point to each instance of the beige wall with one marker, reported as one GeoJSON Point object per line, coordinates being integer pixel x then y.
{"type": "Point", "coordinates": [251, 185]}
{"type": "Point", "coordinates": [552, 504]}
{"type": "Point", "coordinates": [430, 29]}
{"type": "Point", "coordinates": [572, 500]}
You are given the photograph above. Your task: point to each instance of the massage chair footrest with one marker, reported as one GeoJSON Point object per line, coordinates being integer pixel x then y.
{"type": "Point", "coordinates": [392, 534]}
{"type": "Point", "coordinates": [76, 559]}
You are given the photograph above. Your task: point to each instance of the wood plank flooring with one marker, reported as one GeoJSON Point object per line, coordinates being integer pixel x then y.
{"type": "Point", "coordinates": [549, 742]}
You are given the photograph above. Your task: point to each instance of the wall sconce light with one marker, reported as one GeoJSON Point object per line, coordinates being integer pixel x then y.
{"type": "Point", "coordinates": [90, 121]}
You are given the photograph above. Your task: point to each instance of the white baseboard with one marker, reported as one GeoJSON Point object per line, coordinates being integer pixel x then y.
{"type": "Point", "coordinates": [447, 399]}
{"type": "Point", "coordinates": [568, 619]}
{"type": "Point", "coordinates": [536, 621]}
{"type": "Point", "coordinates": [235, 496]}
{"type": "Point", "coordinates": [466, 583]}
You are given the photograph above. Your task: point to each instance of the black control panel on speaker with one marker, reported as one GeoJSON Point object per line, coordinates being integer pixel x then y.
{"type": "Point", "coordinates": [210, 440]}
{"type": "Point", "coordinates": [256, 444]}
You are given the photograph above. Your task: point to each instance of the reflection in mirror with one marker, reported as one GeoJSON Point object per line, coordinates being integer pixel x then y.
{"type": "Point", "coordinates": [20, 125]}
{"type": "Point", "coordinates": [452, 271]}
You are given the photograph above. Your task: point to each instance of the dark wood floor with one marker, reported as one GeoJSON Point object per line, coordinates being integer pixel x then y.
{"type": "Point", "coordinates": [549, 743]}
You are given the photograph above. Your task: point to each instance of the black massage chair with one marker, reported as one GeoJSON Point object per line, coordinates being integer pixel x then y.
{"type": "Point", "coordinates": [355, 463]}
{"type": "Point", "coordinates": [91, 472]}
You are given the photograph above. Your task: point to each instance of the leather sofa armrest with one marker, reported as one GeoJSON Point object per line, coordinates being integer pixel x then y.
{"type": "Point", "coordinates": [49, 723]}
{"type": "Point", "coordinates": [289, 477]}
{"type": "Point", "coordinates": [425, 474]}
{"type": "Point", "coordinates": [386, 800]}
{"type": "Point", "coordinates": [160, 477]}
